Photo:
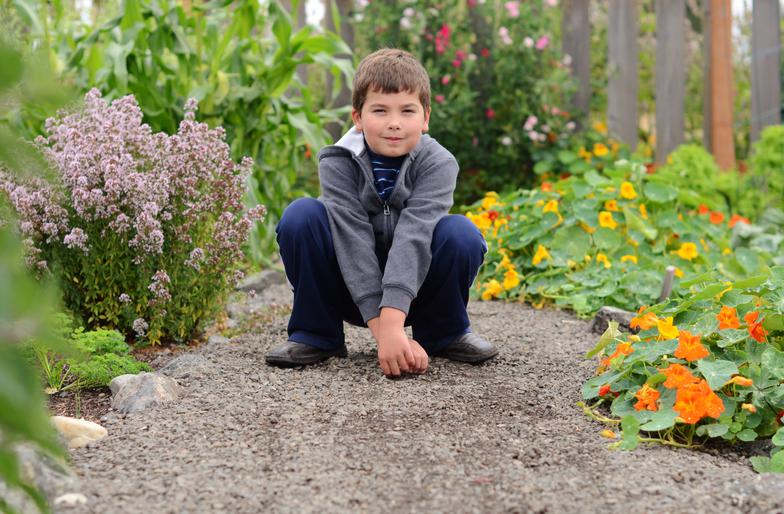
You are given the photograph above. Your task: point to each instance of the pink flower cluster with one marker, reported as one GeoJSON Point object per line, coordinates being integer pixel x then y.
{"type": "Point", "coordinates": [442, 39]}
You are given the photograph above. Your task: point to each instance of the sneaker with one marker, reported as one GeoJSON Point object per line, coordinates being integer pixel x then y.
{"type": "Point", "coordinates": [471, 348]}
{"type": "Point", "coordinates": [291, 354]}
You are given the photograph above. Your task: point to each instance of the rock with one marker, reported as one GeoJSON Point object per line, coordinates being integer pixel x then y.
{"type": "Point", "coordinates": [606, 314]}
{"type": "Point", "coordinates": [147, 390]}
{"type": "Point", "coordinates": [262, 280]}
{"type": "Point", "coordinates": [117, 383]}
{"type": "Point", "coordinates": [50, 476]}
{"type": "Point", "coordinates": [70, 500]}
{"type": "Point", "coordinates": [78, 432]}
{"type": "Point", "coordinates": [217, 340]}
{"type": "Point", "coordinates": [187, 365]}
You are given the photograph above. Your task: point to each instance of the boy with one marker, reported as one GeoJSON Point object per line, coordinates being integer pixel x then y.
{"type": "Point", "coordinates": [378, 248]}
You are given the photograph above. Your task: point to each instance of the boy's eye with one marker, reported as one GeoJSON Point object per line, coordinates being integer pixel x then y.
{"type": "Point", "coordinates": [378, 110]}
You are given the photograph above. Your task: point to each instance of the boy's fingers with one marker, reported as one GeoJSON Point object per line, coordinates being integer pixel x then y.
{"type": "Point", "coordinates": [410, 359]}
{"type": "Point", "coordinates": [384, 367]}
{"type": "Point", "coordinates": [394, 370]}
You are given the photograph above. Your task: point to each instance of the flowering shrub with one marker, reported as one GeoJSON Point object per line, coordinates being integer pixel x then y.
{"type": "Point", "coordinates": [605, 239]}
{"type": "Point", "coordinates": [710, 365]}
{"type": "Point", "coordinates": [498, 83]}
{"type": "Point", "coordinates": [145, 231]}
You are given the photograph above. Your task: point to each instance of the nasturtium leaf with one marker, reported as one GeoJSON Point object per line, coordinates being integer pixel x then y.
{"type": "Point", "coordinates": [731, 336]}
{"type": "Point", "coordinates": [748, 259]}
{"type": "Point", "coordinates": [778, 437]}
{"type": "Point", "coordinates": [572, 242]}
{"type": "Point", "coordinates": [773, 362]}
{"type": "Point", "coordinates": [713, 429]}
{"type": "Point", "coordinates": [594, 179]}
{"type": "Point", "coordinates": [704, 277]}
{"type": "Point", "coordinates": [635, 222]}
{"type": "Point", "coordinates": [760, 464]}
{"type": "Point", "coordinates": [581, 189]}
{"type": "Point", "coordinates": [660, 193]}
{"type": "Point", "coordinates": [753, 421]}
{"type": "Point", "coordinates": [745, 283]}
{"type": "Point", "coordinates": [608, 336]}
{"type": "Point", "coordinates": [747, 435]}
{"type": "Point", "coordinates": [630, 433]}
{"type": "Point", "coordinates": [567, 156]}
{"type": "Point", "coordinates": [591, 388]}
{"type": "Point", "coordinates": [658, 378]}
{"type": "Point", "coordinates": [607, 239]}
{"type": "Point", "coordinates": [717, 372]}
{"type": "Point", "coordinates": [709, 291]}
{"type": "Point", "coordinates": [777, 463]}
{"type": "Point", "coordinates": [660, 420]}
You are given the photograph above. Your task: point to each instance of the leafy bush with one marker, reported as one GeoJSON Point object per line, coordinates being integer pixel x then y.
{"type": "Point", "coordinates": [602, 239]}
{"type": "Point", "coordinates": [146, 230]}
{"type": "Point", "coordinates": [93, 360]}
{"type": "Point", "coordinates": [706, 365]}
{"type": "Point", "coordinates": [237, 59]}
{"type": "Point", "coordinates": [498, 84]}
{"type": "Point", "coordinates": [767, 169]}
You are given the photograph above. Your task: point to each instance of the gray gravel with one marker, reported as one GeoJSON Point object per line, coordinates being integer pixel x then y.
{"type": "Point", "coordinates": [505, 436]}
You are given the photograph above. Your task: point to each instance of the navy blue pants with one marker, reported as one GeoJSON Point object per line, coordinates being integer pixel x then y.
{"type": "Point", "coordinates": [322, 302]}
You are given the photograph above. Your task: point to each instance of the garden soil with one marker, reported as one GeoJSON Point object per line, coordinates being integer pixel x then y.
{"type": "Point", "coordinates": [504, 436]}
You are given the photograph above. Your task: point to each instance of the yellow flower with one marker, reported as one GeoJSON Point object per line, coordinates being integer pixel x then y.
{"type": "Point", "coordinates": [505, 262]}
{"type": "Point", "coordinates": [541, 255]}
{"type": "Point", "coordinates": [678, 272]}
{"type": "Point", "coordinates": [482, 221]}
{"type": "Point", "coordinates": [726, 251]}
{"type": "Point", "coordinates": [630, 258]}
{"type": "Point", "coordinates": [609, 434]}
{"type": "Point", "coordinates": [687, 251]}
{"type": "Point", "coordinates": [492, 289]}
{"type": "Point", "coordinates": [511, 279]}
{"type": "Point", "coordinates": [749, 407]}
{"type": "Point", "coordinates": [551, 206]}
{"type": "Point", "coordinates": [585, 154]}
{"type": "Point", "coordinates": [600, 257]}
{"type": "Point", "coordinates": [666, 329]}
{"type": "Point", "coordinates": [587, 227]}
{"type": "Point", "coordinates": [491, 198]}
{"type": "Point", "coordinates": [600, 127]}
{"type": "Point", "coordinates": [570, 263]}
{"type": "Point", "coordinates": [635, 338]}
{"type": "Point", "coordinates": [609, 189]}
{"type": "Point", "coordinates": [611, 205]}
{"type": "Point", "coordinates": [643, 211]}
{"type": "Point", "coordinates": [633, 242]}
{"type": "Point", "coordinates": [600, 150]}
{"type": "Point", "coordinates": [615, 147]}
{"type": "Point", "coordinates": [606, 220]}
{"type": "Point", "coordinates": [587, 258]}
{"type": "Point", "coordinates": [627, 191]}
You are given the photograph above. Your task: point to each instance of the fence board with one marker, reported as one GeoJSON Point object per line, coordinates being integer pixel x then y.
{"type": "Point", "coordinates": [707, 88]}
{"type": "Point", "coordinates": [622, 68]}
{"type": "Point", "coordinates": [670, 75]}
{"type": "Point", "coordinates": [722, 143]}
{"type": "Point", "coordinates": [765, 66]}
{"type": "Point", "coordinates": [576, 31]}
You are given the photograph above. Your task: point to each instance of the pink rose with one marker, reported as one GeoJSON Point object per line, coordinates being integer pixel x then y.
{"type": "Point", "coordinates": [542, 42]}
{"type": "Point", "coordinates": [440, 99]}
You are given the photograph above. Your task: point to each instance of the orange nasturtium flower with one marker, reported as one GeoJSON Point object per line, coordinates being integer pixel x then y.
{"type": "Point", "coordinates": [678, 376]}
{"type": "Point", "coordinates": [687, 251]}
{"type": "Point", "coordinates": [737, 218]}
{"type": "Point", "coordinates": [696, 401]}
{"type": "Point", "coordinates": [703, 209]}
{"type": "Point", "coordinates": [716, 217]}
{"type": "Point", "coordinates": [643, 211]}
{"type": "Point", "coordinates": [627, 191]}
{"type": "Point", "coordinates": [755, 329]}
{"type": "Point", "coordinates": [621, 349]}
{"type": "Point", "coordinates": [646, 398]}
{"type": "Point", "coordinates": [611, 205]}
{"type": "Point", "coordinates": [606, 220]}
{"type": "Point", "coordinates": [689, 347]}
{"type": "Point", "coordinates": [728, 318]}
{"type": "Point", "coordinates": [491, 198]}
{"type": "Point", "coordinates": [600, 150]}
{"type": "Point", "coordinates": [547, 186]}
{"type": "Point", "coordinates": [644, 321]}
{"type": "Point", "coordinates": [749, 407]}
{"type": "Point", "coordinates": [666, 329]}
{"type": "Point", "coordinates": [740, 381]}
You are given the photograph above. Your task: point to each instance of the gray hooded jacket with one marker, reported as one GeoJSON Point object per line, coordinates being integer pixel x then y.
{"type": "Point", "coordinates": [359, 219]}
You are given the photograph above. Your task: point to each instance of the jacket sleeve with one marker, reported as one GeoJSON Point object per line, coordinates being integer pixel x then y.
{"type": "Point", "coordinates": [352, 236]}
{"type": "Point", "coordinates": [410, 255]}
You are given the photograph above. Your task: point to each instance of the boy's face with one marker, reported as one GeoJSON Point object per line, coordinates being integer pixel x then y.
{"type": "Point", "coordinates": [392, 122]}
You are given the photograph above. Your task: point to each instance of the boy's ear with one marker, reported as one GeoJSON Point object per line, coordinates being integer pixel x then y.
{"type": "Point", "coordinates": [427, 121]}
{"type": "Point", "coordinates": [356, 117]}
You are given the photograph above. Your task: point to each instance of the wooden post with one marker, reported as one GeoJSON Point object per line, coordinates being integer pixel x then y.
{"type": "Point", "coordinates": [765, 66]}
{"type": "Point", "coordinates": [670, 76]}
{"type": "Point", "coordinates": [707, 89]}
{"type": "Point", "coordinates": [722, 144]}
{"type": "Point", "coordinates": [576, 36]}
{"type": "Point", "coordinates": [623, 79]}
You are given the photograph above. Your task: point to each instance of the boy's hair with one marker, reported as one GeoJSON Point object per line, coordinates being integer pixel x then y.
{"type": "Point", "coordinates": [390, 70]}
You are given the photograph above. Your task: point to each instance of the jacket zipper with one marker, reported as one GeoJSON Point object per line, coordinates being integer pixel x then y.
{"type": "Point", "coordinates": [387, 224]}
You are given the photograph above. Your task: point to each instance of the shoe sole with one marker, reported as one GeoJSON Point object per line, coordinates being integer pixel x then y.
{"type": "Point", "coordinates": [288, 363]}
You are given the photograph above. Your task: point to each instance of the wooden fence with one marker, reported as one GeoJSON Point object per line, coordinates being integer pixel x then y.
{"type": "Point", "coordinates": [622, 117]}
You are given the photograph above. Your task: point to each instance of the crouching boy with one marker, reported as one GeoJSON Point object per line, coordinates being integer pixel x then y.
{"type": "Point", "coordinates": [378, 248]}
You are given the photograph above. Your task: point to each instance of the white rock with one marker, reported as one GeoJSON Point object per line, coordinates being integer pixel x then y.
{"type": "Point", "coordinates": [118, 383]}
{"type": "Point", "coordinates": [147, 390]}
{"type": "Point", "coordinates": [78, 432]}
{"type": "Point", "coordinates": [70, 500]}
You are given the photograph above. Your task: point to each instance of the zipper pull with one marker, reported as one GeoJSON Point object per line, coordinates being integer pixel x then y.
{"type": "Point", "coordinates": [386, 209]}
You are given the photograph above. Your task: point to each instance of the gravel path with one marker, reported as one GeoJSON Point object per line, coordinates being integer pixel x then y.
{"type": "Point", "coordinates": [505, 436]}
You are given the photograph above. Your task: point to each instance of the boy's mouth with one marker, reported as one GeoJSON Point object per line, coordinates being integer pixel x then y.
{"type": "Point", "coordinates": [393, 139]}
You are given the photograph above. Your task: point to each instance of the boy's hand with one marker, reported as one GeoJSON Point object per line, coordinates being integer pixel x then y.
{"type": "Point", "coordinates": [420, 357]}
{"type": "Point", "coordinates": [395, 353]}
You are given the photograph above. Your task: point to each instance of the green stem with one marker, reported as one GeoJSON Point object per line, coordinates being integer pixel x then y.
{"type": "Point", "coordinates": [591, 413]}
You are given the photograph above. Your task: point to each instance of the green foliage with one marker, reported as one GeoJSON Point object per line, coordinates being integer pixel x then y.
{"type": "Point", "coordinates": [499, 86]}
{"type": "Point", "coordinates": [24, 308]}
{"type": "Point", "coordinates": [101, 355]}
{"type": "Point", "coordinates": [767, 168]}
{"type": "Point", "coordinates": [739, 368]}
{"type": "Point", "coordinates": [238, 59]}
